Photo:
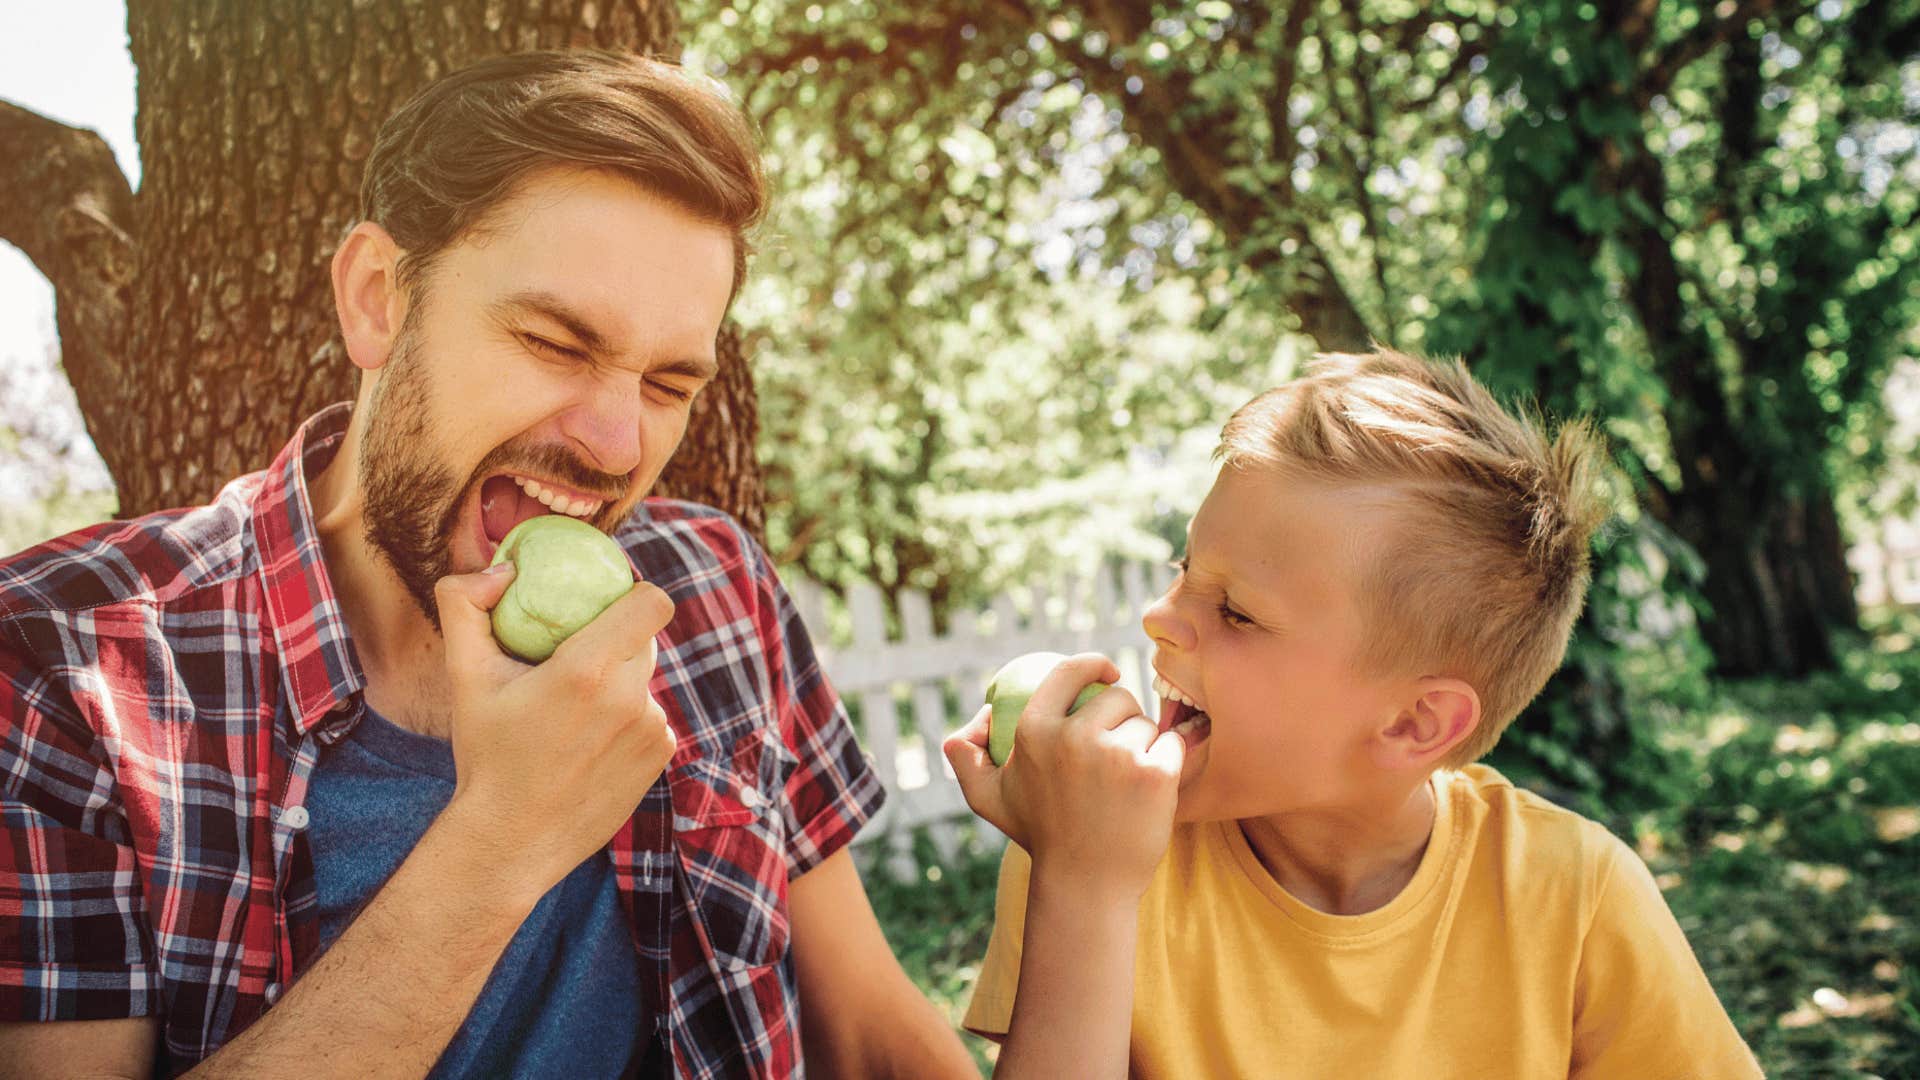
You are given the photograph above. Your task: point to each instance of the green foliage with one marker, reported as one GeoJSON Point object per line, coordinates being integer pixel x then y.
{"type": "Point", "coordinates": [938, 924]}
{"type": "Point", "coordinates": [1023, 257]}
{"type": "Point", "coordinates": [1795, 863]}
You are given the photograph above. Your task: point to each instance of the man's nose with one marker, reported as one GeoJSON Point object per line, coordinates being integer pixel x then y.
{"type": "Point", "coordinates": [606, 425]}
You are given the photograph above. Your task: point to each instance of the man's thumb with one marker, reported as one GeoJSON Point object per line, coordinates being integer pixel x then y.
{"type": "Point", "coordinates": [465, 601]}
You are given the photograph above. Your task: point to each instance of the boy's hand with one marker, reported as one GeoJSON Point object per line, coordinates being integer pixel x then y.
{"type": "Point", "coordinates": [550, 760]}
{"type": "Point", "coordinates": [1092, 793]}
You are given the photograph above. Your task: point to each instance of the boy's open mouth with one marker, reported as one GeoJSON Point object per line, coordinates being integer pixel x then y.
{"type": "Point", "coordinates": [507, 499]}
{"type": "Point", "coordinates": [1180, 715]}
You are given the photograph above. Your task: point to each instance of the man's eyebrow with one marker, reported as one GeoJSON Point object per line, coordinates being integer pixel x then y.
{"type": "Point", "coordinates": [693, 367]}
{"type": "Point", "coordinates": [540, 302]}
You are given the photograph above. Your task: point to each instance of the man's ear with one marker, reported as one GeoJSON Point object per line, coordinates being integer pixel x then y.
{"type": "Point", "coordinates": [366, 294]}
{"type": "Point", "coordinates": [1441, 714]}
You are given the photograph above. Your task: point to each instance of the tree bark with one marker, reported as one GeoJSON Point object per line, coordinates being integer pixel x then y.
{"type": "Point", "coordinates": [196, 319]}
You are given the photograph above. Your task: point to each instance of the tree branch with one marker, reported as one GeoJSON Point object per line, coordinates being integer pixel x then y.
{"type": "Point", "coordinates": [69, 208]}
{"type": "Point", "coordinates": [1286, 67]}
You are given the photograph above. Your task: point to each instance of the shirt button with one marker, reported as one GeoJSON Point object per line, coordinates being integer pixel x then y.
{"type": "Point", "coordinates": [294, 817]}
{"type": "Point", "coordinates": [273, 993]}
{"type": "Point", "coordinates": [750, 798]}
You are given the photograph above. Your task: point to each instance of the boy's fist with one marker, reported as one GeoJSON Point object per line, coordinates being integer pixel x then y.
{"type": "Point", "coordinates": [1093, 791]}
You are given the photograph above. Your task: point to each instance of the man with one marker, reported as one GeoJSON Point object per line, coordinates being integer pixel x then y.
{"type": "Point", "coordinates": [273, 801]}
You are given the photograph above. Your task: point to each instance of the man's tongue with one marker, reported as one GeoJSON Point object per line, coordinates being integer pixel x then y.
{"type": "Point", "coordinates": [503, 505]}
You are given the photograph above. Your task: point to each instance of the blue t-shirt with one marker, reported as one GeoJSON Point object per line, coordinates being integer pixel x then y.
{"type": "Point", "coordinates": [563, 1000]}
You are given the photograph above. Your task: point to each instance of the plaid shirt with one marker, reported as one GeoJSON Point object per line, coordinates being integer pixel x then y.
{"type": "Point", "coordinates": [167, 684]}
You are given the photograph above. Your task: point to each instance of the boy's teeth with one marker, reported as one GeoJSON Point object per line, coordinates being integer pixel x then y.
{"type": "Point", "coordinates": [1166, 690]}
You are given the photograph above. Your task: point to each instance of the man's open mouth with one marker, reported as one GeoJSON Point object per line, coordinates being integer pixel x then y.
{"type": "Point", "coordinates": [507, 499]}
{"type": "Point", "coordinates": [1180, 714]}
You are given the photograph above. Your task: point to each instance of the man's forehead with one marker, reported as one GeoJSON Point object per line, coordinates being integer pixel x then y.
{"type": "Point", "coordinates": [607, 248]}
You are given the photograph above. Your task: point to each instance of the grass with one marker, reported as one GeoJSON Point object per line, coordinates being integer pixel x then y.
{"type": "Point", "coordinates": [1791, 858]}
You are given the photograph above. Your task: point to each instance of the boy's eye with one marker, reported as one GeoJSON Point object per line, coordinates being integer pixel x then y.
{"type": "Point", "coordinates": [1232, 616]}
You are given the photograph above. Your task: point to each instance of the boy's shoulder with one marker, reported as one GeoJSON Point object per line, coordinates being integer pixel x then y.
{"type": "Point", "coordinates": [1505, 829]}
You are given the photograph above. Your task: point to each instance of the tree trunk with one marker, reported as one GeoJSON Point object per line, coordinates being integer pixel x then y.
{"type": "Point", "coordinates": [1778, 583]}
{"type": "Point", "coordinates": [254, 125]}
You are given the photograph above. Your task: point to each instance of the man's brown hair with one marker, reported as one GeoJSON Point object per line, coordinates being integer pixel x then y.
{"type": "Point", "coordinates": [1486, 566]}
{"type": "Point", "coordinates": [456, 149]}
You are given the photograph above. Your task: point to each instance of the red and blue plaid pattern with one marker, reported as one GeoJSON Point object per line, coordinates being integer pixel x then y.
{"type": "Point", "coordinates": [167, 684]}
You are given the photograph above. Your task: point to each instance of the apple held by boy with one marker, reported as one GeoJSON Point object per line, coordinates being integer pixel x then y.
{"type": "Point", "coordinates": [1007, 694]}
{"type": "Point", "coordinates": [566, 572]}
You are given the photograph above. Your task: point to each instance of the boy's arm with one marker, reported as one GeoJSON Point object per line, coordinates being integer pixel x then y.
{"type": "Point", "coordinates": [1075, 1007]}
{"type": "Point", "coordinates": [1092, 797]}
{"type": "Point", "coordinates": [1643, 1007]}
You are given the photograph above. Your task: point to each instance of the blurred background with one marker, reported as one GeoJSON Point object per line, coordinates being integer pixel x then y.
{"type": "Point", "coordinates": [1027, 256]}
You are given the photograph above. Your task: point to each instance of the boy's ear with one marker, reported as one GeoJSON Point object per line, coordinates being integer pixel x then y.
{"type": "Point", "coordinates": [1441, 715]}
{"type": "Point", "coordinates": [366, 295]}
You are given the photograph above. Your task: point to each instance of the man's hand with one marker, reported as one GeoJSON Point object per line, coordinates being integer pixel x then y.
{"type": "Point", "coordinates": [1089, 795]}
{"type": "Point", "coordinates": [550, 760]}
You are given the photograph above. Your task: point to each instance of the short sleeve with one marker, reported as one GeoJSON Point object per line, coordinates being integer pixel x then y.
{"type": "Point", "coordinates": [73, 938]}
{"type": "Point", "coordinates": [1643, 1008]}
{"type": "Point", "coordinates": [832, 789]}
{"type": "Point", "coordinates": [990, 1012]}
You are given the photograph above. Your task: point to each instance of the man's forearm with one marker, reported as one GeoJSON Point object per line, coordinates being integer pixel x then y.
{"type": "Point", "coordinates": [1074, 1010]}
{"type": "Point", "coordinates": [389, 995]}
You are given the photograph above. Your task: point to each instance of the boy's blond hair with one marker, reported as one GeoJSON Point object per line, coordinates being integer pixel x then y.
{"type": "Point", "coordinates": [1486, 568]}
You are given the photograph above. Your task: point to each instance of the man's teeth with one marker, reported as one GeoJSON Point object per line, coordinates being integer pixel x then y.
{"type": "Point", "coordinates": [1172, 693]}
{"type": "Point", "coordinates": [559, 504]}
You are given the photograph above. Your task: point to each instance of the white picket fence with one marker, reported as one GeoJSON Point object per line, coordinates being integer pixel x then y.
{"type": "Point", "coordinates": [910, 689]}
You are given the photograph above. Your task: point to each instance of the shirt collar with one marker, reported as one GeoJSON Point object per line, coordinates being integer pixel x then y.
{"type": "Point", "coordinates": [319, 670]}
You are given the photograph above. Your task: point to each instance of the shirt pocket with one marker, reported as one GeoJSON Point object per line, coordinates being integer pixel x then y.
{"type": "Point", "coordinates": [730, 841]}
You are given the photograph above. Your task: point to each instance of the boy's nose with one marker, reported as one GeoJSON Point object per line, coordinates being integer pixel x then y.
{"type": "Point", "coordinates": [1165, 627]}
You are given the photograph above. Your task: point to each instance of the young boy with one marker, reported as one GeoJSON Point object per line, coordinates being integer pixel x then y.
{"type": "Point", "coordinates": [1299, 872]}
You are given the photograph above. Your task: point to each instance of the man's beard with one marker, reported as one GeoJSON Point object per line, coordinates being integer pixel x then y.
{"type": "Point", "coordinates": [413, 503]}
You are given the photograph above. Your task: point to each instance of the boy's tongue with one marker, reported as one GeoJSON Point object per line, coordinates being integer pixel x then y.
{"type": "Point", "coordinates": [1175, 714]}
{"type": "Point", "coordinates": [503, 505]}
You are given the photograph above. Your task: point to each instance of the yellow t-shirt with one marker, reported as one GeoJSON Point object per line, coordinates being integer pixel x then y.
{"type": "Point", "coordinates": [1530, 943]}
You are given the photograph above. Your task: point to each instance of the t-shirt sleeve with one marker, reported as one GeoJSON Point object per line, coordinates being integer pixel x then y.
{"type": "Point", "coordinates": [832, 789]}
{"type": "Point", "coordinates": [990, 1012]}
{"type": "Point", "coordinates": [73, 943]}
{"type": "Point", "coordinates": [1643, 1008]}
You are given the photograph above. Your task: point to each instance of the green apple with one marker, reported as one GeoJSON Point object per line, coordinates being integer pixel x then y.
{"type": "Point", "coordinates": [1007, 694]}
{"type": "Point", "coordinates": [566, 572]}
